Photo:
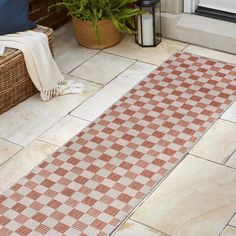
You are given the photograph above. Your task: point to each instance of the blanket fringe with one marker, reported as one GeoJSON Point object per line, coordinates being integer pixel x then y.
{"type": "Point", "coordinates": [64, 87]}
{"type": "Point", "coordinates": [46, 95]}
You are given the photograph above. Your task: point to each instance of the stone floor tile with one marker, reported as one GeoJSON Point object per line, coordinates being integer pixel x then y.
{"type": "Point", "coordinates": [197, 198]}
{"type": "Point", "coordinates": [154, 55]}
{"type": "Point", "coordinates": [205, 52]}
{"type": "Point", "coordinates": [229, 231]}
{"type": "Point", "coordinates": [7, 150]}
{"type": "Point", "coordinates": [21, 163]}
{"type": "Point", "coordinates": [102, 68]}
{"type": "Point", "coordinates": [218, 143]}
{"type": "Point", "coordinates": [68, 54]}
{"type": "Point", "coordinates": [28, 120]}
{"type": "Point", "coordinates": [63, 130]}
{"type": "Point", "coordinates": [233, 221]}
{"type": "Point", "coordinates": [232, 160]}
{"type": "Point", "coordinates": [108, 95]}
{"type": "Point", "coordinates": [132, 228]}
{"type": "Point", "coordinates": [230, 114]}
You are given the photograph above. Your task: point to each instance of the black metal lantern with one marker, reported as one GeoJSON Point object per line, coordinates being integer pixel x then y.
{"type": "Point", "coordinates": [148, 25]}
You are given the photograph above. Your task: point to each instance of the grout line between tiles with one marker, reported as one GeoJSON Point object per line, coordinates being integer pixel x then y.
{"type": "Point", "coordinates": [227, 224]}
{"type": "Point", "coordinates": [68, 114]}
{"type": "Point", "coordinates": [232, 122]}
{"type": "Point", "coordinates": [85, 100]}
{"type": "Point", "coordinates": [43, 141]}
{"type": "Point", "coordinates": [127, 68]}
{"type": "Point", "coordinates": [11, 157]}
{"type": "Point", "coordinates": [123, 71]}
{"type": "Point", "coordinates": [68, 73]}
{"type": "Point", "coordinates": [221, 164]}
{"type": "Point", "coordinates": [137, 60]}
{"type": "Point", "coordinates": [233, 226]}
{"type": "Point", "coordinates": [150, 227]}
{"type": "Point", "coordinates": [185, 47]}
{"type": "Point", "coordinates": [176, 40]}
{"type": "Point", "coordinates": [87, 80]}
{"type": "Point", "coordinates": [80, 118]}
{"type": "Point", "coordinates": [38, 138]}
{"type": "Point", "coordinates": [9, 141]}
{"type": "Point", "coordinates": [222, 230]}
{"type": "Point", "coordinates": [227, 159]}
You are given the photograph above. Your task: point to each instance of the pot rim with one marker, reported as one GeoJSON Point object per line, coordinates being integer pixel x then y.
{"type": "Point", "coordinates": [79, 19]}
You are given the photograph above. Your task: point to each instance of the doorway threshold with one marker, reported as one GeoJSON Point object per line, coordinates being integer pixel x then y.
{"type": "Point", "coordinates": [216, 14]}
{"type": "Point", "coordinates": [200, 30]}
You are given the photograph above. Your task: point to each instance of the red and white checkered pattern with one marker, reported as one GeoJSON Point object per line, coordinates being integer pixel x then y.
{"type": "Point", "coordinates": [91, 183]}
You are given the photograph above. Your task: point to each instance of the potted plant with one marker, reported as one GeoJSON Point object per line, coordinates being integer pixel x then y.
{"type": "Point", "coordinates": [100, 24]}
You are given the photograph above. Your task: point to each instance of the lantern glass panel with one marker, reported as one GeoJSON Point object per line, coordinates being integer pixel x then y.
{"type": "Point", "coordinates": [145, 28]}
{"type": "Point", "coordinates": [148, 26]}
{"type": "Point", "coordinates": [158, 23]}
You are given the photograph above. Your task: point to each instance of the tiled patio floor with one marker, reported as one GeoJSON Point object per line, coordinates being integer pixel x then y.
{"type": "Point", "coordinates": [197, 198]}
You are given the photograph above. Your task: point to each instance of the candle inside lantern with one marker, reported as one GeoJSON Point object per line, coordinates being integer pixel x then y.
{"type": "Point", "coordinates": [146, 30]}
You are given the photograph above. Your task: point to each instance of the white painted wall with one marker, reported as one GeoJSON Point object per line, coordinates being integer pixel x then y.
{"type": "Point", "coordinates": [172, 6]}
{"type": "Point", "coordinates": [190, 5]}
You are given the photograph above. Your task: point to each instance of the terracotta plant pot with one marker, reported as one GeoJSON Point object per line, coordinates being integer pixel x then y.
{"type": "Point", "coordinates": [86, 37]}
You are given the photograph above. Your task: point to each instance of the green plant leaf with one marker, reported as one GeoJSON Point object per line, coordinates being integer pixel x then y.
{"type": "Point", "coordinates": [95, 10]}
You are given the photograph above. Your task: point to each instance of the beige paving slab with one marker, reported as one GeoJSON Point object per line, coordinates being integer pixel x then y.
{"type": "Point", "coordinates": [102, 68]}
{"type": "Point", "coordinates": [63, 130]}
{"type": "Point", "coordinates": [28, 120]}
{"type": "Point", "coordinates": [21, 163]}
{"type": "Point", "coordinates": [108, 95]}
{"type": "Point", "coordinates": [68, 54]}
{"type": "Point", "coordinates": [233, 221]}
{"type": "Point", "coordinates": [153, 55]}
{"type": "Point", "coordinates": [218, 143]}
{"type": "Point", "coordinates": [7, 150]}
{"type": "Point", "coordinates": [232, 160]}
{"type": "Point", "coordinates": [229, 231]}
{"type": "Point", "coordinates": [230, 114]}
{"type": "Point", "coordinates": [198, 198]}
{"type": "Point", "coordinates": [132, 228]}
{"type": "Point", "coordinates": [205, 52]}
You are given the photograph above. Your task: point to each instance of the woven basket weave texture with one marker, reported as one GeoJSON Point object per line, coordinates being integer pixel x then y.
{"type": "Point", "coordinates": [15, 83]}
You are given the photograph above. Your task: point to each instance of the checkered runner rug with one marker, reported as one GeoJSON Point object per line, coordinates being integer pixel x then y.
{"type": "Point", "coordinates": [96, 179]}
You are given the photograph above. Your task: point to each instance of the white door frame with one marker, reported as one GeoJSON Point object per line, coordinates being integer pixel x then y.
{"type": "Point", "coordinates": [226, 5]}
{"type": "Point", "coordinates": [190, 6]}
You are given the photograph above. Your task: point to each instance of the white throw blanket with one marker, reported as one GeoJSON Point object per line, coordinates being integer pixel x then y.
{"type": "Point", "coordinates": [40, 64]}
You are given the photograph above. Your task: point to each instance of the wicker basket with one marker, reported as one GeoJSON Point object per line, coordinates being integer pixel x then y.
{"type": "Point", "coordinates": [15, 83]}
